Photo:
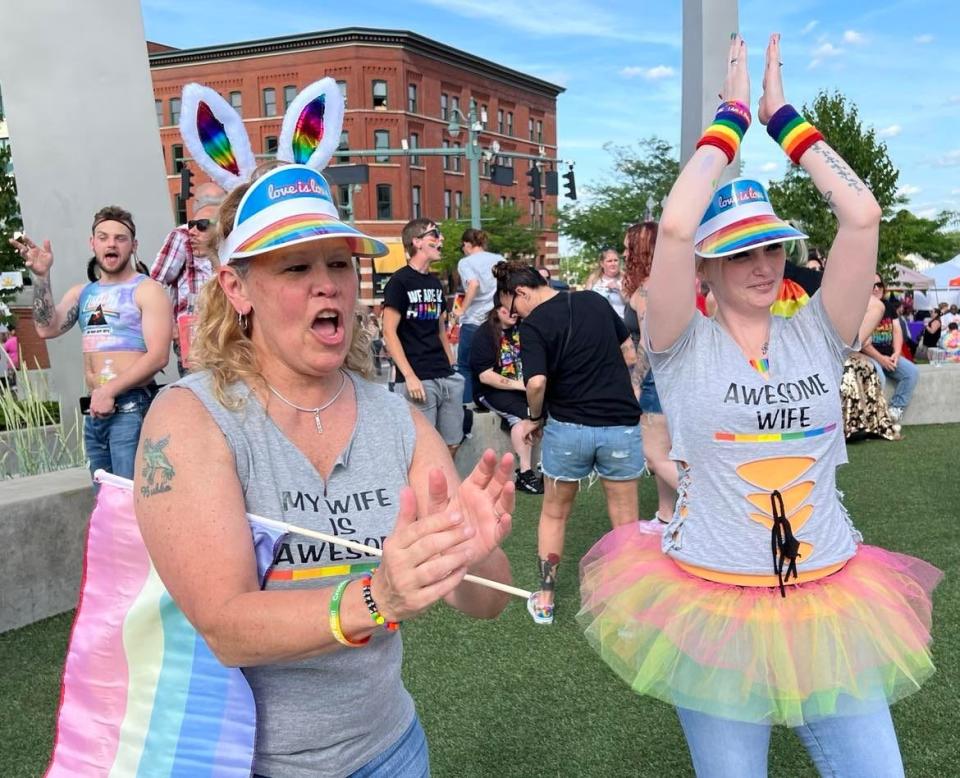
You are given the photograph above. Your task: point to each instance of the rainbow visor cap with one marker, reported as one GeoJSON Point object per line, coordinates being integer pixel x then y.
{"type": "Point", "coordinates": [740, 218]}
{"type": "Point", "coordinates": [288, 206]}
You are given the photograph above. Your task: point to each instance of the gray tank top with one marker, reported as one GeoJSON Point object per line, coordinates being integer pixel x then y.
{"type": "Point", "coordinates": [331, 714]}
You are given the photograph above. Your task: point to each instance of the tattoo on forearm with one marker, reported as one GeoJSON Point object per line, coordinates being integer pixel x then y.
{"type": "Point", "coordinates": [157, 471]}
{"type": "Point", "coordinates": [70, 319]}
{"type": "Point", "coordinates": [43, 307]}
{"type": "Point", "coordinates": [828, 199]}
{"type": "Point", "coordinates": [838, 166]}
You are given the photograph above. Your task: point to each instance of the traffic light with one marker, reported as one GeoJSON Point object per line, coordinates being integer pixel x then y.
{"type": "Point", "coordinates": [533, 182]}
{"type": "Point", "coordinates": [552, 183]}
{"type": "Point", "coordinates": [186, 183]}
{"type": "Point", "coordinates": [570, 184]}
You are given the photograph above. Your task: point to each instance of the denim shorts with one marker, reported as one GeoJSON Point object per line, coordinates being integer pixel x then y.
{"type": "Point", "coordinates": [649, 399]}
{"type": "Point", "coordinates": [575, 451]}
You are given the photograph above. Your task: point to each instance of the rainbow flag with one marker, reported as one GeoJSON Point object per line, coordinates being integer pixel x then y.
{"type": "Point", "coordinates": [142, 694]}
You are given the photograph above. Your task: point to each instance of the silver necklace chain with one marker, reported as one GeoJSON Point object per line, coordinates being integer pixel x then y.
{"type": "Point", "coordinates": [314, 411]}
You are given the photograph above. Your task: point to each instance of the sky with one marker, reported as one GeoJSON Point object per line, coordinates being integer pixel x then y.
{"type": "Point", "coordinates": [620, 63]}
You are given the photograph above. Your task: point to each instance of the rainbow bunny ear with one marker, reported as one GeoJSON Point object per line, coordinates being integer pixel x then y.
{"type": "Point", "coordinates": [311, 125]}
{"type": "Point", "coordinates": [215, 135]}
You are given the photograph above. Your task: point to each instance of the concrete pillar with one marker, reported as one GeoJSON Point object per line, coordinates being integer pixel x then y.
{"type": "Point", "coordinates": [707, 25]}
{"type": "Point", "coordinates": [83, 130]}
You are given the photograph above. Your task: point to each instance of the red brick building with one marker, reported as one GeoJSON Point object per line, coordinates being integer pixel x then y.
{"type": "Point", "coordinates": [398, 86]}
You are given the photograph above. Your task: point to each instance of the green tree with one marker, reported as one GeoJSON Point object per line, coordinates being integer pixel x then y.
{"type": "Point", "coordinates": [796, 198]}
{"type": "Point", "coordinates": [640, 175]}
{"type": "Point", "coordinates": [506, 233]}
{"type": "Point", "coordinates": [10, 223]}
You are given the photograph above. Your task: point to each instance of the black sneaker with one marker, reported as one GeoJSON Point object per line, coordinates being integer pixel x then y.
{"type": "Point", "coordinates": [528, 482]}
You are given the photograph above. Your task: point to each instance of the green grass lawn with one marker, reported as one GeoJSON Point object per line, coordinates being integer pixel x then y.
{"type": "Point", "coordinates": [508, 698]}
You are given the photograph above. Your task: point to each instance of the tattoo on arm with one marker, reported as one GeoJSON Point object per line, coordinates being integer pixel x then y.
{"type": "Point", "coordinates": [43, 307]}
{"type": "Point", "coordinates": [157, 471]}
{"type": "Point", "coordinates": [828, 199]}
{"type": "Point", "coordinates": [70, 319]}
{"type": "Point", "coordinates": [838, 166]}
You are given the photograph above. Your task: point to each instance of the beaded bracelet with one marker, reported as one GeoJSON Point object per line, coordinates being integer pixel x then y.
{"type": "Point", "coordinates": [335, 627]}
{"type": "Point", "coordinates": [794, 133]}
{"type": "Point", "coordinates": [375, 614]}
{"type": "Point", "coordinates": [728, 128]}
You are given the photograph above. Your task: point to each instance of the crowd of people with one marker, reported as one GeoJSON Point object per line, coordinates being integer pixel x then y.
{"type": "Point", "coordinates": [704, 358]}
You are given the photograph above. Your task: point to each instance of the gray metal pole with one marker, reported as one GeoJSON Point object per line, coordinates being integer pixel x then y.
{"type": "Point", "coordinates": [707, 25]}
{"type": "Point", "coordinates": [473, 160]}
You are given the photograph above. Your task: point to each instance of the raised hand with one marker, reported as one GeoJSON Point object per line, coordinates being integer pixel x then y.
{"type": "Point", "coordinates": [37, 259]}
{"type": "Point", "coordinates": [736, 85]}
{"type": "Point", "coordinates": [772, 99]}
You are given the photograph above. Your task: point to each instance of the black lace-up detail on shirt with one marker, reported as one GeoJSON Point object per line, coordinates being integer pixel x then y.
{"type": "Point", "coordinates": [784, 545]}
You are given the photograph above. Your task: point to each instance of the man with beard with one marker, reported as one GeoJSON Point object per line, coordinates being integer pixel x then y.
{"type": "Point", "coordinates": [125, 318]}
{"type": "Point", "coordinates": [184, 264]}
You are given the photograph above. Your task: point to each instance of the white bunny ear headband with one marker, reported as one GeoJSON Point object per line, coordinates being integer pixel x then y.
{"type": "Point", "coordinates": [290, 204]}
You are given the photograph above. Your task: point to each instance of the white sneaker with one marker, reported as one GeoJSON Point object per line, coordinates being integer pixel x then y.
{"type": "Point", "coordinates": [896, 413]}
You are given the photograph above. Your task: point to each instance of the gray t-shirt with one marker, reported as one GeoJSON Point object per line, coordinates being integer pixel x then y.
{"type": "Point", "coordinates": [331, 714]}
{"type": "Point", "coordinates": [743, 434]}
{"type": "Point", "coordinates": [479, 267]}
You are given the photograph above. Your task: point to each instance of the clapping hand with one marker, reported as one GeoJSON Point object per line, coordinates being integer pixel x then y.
{"type": "Point", "coordinates": [736, 85]}
{"type": "Point", "coordinates": [772, 99]}
{"type": "Point", "coordinates": [38, 259]}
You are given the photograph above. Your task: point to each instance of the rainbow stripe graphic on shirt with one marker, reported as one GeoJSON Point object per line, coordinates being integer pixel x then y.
{"type": "Point", "coordinates": [772, 437]}
{"type": "Point", "coordinates": [326, 571]}
{"type": "Point", "coordinates": [424, 311]}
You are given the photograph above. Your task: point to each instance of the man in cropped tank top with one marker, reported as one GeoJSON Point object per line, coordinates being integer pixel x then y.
{"type": "Point", "coordinates": [125, 321]}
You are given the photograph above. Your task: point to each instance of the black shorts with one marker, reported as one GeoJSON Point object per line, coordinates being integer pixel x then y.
{"type": "Point", "coordinates": [511, 406]}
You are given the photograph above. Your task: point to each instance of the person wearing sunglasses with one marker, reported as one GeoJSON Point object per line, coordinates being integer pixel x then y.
{"type": "Point", "coordinates": [414, 316]}
{"type": "Point", "coordinates": [184, 264]}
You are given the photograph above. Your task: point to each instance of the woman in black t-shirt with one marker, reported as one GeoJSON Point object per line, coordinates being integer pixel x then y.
{"type": "Point", "coordinates": [497, 374]}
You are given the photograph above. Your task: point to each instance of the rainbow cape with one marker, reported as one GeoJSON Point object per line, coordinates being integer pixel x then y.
{"type": "Point", "coordinates": [142, 694]}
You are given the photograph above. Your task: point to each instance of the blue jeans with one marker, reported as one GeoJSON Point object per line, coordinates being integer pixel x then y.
{"type": "Point", "coordinates": [906, 375]}
{"type": "Point", "coordinates": [407, 758]}
{"type": "Point", "coordinates": [859, 746]}
{"type": "Point", "coordinates": [649, 399]}
{"type": "Point", "coordinates": [467, 331]}
{"type": "Point", "coordinates": [571, 452]}
{"type": "Point", "coordinates": [112, 441]}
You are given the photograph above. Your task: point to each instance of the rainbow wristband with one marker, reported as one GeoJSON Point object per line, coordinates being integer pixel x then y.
{"type": "Point", "coordinates": [728, 128]}
{"type": "Point", "coordinates": [794, 133]}
{"type": "Point", "coordinates": [375, 614]}
{"type": "Point", "coordinates": [335, 627]}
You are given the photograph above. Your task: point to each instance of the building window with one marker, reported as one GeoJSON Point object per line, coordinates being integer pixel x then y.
{"type": "Point", "coordinates": [532, 212]}
{"type": "Point", "coordinates": [343, 146]}
{"type": "Point", "coordinates": [455, 105]}
{"type": "Point", "coordinates": [412, 98]}
{"type": "Point", "coordinates": [539, 131]}
{"type": "Point", "coordinates": [380, 95]}
{"type": "Point", "coordinates": [446, 204]}
{"type": "Point", "coordinates": [414, 144]}
{"type": "Point", "coordinates": [343, 203]}
{"type": "Point", "coordinates": [443, 106]}
{"type": "Point", "coordinates": [446, 159]}
{"type": "Point", "coordinates": [485, 167]}
{"type": "Point", "coordinates": [384, 202]}
{"type": "Point", "coordinates": [458, 202]}
{"type": "Point", "coordinates": [530, 128]}
{"type": "Point", "coordinates": [289, 92]}
{"type": "Point", "coordinates": [181, 210]}
{"type": "Point", "coordinates": [503, 201]}
{"type": "Point", "coordinates": [513, 202]}
{"type": "Point", "coordinates": [381, 140]}
{"type": "Point", "coordinates": [176, 157]}
{"type": "Point", "coordinates": [415, 202]}
{"type": "Point", "coordinates": [500, 121]}
{"type": "Point", "coordinates": [457, 160]}
{"type": "Point", "coordinates": [342, 86]}
{"type": "Point", "coordinates": [270, 101]}
{"type": "Point", "coordinates": [236, 100]}
{"type": "Point", "coordinates": [270, 144]}
{"type": "Point", "coordinates": [174, 110]}
{"type": "Point", "coordinates": [510, 123]}
{"type": "Point", "coordinates": [158, 107]}
{"type": "Point", "coordinates": [486, 199]}
{"type": "Point", "coordinates": [540, 213]}
{"type": "Point", "coordinates": [484, 116]}
{"type": "Point", "coordinates": [473, 108]}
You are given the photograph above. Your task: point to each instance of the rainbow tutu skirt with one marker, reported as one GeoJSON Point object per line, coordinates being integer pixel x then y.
{"type": "Point", "coordinates": [833, 646]}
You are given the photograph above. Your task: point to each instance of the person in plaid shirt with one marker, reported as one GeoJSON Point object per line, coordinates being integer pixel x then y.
{"type": "Point", "coordinates": [184, 264]}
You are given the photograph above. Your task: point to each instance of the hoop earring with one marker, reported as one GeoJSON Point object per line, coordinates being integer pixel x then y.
{"type": "Point", "coordinates": [242, 322]}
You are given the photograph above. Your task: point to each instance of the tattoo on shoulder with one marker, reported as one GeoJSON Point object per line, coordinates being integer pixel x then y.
{"type": "Point", "coordinates": [157, 471]}
{"type": "Point", "coordinates": [71, 318]}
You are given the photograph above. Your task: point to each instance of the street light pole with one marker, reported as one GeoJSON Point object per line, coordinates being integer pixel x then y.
{"type": "Point", "coordinates": [473, 154]}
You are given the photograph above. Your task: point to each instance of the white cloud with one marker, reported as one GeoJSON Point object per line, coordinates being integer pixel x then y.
{"type": "Point", "coordinates": [808, 27]}
{"type": "Point", "coordinates": [768, 167]}
{"type": "Point", "coordinates": [926, 213]}
{"type": "Point", "coordinates": [953, 100]}
{"type": "Point", "coordinates": [908, 190]}
{"type": "Point", "coordinates": [852, 36]}
{"type": "Point", "coordinates": [923, 39]}
{"type": "Point", "coordinates": [950, 159]}
{"type": "Point", "coordinates": [826, 49]}
{"type": "Point", "coordinates": [890, 132]}
{"type": "Point", "coordinates": [650, 74]}
{"type": "Point", "coordinates": [955, 191]}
